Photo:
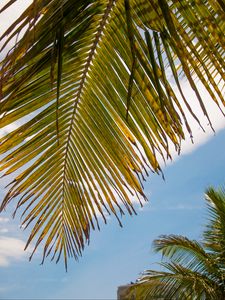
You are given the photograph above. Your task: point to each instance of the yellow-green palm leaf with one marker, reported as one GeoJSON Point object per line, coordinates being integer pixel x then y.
{"type": "Point", "coordinates": [90, 79]}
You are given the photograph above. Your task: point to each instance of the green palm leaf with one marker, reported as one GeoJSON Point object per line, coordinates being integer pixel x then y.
{"type": "Point", "coordinates": [188, 253]}
{"type": "Point", "coordinates": [190, 269]}
{"type": "Point", "coordinates": [180, 282]}
{"type": "Point", "coordinates": [214, 234]}
{"type": "Point", "coordinates": [98, 107]}
{"type": "Point", "coordinates": [177, 282]}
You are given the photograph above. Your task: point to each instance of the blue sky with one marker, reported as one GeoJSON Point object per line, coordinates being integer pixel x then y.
{"type": "Point", "coordinates": [116, 256]}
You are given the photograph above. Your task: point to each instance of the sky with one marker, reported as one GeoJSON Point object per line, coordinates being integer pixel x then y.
{"type": "Point", "coordinates": [116, 256]}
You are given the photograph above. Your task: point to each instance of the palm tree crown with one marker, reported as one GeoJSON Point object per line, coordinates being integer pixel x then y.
{"type": "Point", "coordinates": [191, 269]}
{"type": "Point", "coordinates": [90, 81]}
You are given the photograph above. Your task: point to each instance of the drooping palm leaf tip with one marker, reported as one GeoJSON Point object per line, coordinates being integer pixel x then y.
{"type": "Point", "coordinates": [99, 109]}
{"type": "Point", "coordinates": [190, 269]}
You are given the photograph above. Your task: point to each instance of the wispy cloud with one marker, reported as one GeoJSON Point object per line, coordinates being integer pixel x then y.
{"type": "Point", "coordinates": [4, 220]}
{"type": "Point", "coordinates": [7, 18]}
{"type": "Point", "coordinates": [4, 230]}
{"type": "Point", "coordinates": [173, 207]}
{"type": "Point", "coordinates": [11, 250]}
{"type": "Point", "coordinates": [216, 116]}
{"type": "Point", "coordinates": [183, 207]}
{"type": "Point", "coordinates": [3, 225]}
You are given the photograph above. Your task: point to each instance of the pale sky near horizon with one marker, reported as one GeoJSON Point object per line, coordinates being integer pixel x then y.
{"type": "Point", "coordinates": [116, 256]}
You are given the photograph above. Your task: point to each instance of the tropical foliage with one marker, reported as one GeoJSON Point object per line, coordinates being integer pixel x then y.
{"type": "Point", "coordinates": [90, 82]}
{"type": "Point", "coordinates": [190, 269]}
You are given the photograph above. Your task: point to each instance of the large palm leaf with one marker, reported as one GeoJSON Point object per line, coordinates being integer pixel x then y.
{"type": "Point", "coordinates": [89, 78]}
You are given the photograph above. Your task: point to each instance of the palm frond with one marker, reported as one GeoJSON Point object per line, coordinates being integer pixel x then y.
{"type": "Point", "coordinates": [99, 110]}
{"type": "Point", "coordinates": [214, 235]}
{"type": "Point", "coordinates": [189, 253]}
{"type": "Point", "coordinates": [177, 282]}
{"type": "Point", "coordinates": [190, 270]}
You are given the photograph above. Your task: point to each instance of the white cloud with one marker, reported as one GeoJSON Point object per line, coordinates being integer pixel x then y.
{"type": "Point", "coordinates": [4, 230]}
{"type": "Point", "coordinates": [183, 207]}
{"type": "Point", "coordinates": [12, 13]}
{"type": "Point", "coordinates": [4, 220]}
{"type": "Point", "coordinates": [11, 250]}
{"type": "Point", "coordinates": [215, 115]}
{"type": "Point", "coordinates": [173, 207]}
{"type": "Point", "coordinates": [7, 18]}
{"type": "Point", "coordinates": [199, 136]}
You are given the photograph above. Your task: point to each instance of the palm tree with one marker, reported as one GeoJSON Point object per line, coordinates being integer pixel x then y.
{"type": "Point", "coordinates": [90, 82]}
{"type": "Point", "coordinates": [190, 269]}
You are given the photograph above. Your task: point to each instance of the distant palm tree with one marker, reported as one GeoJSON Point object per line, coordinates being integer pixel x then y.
{"type": "Point", "coordinates": [190, 269]}
{"type": "Point", "coordinates": [90, 78]}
